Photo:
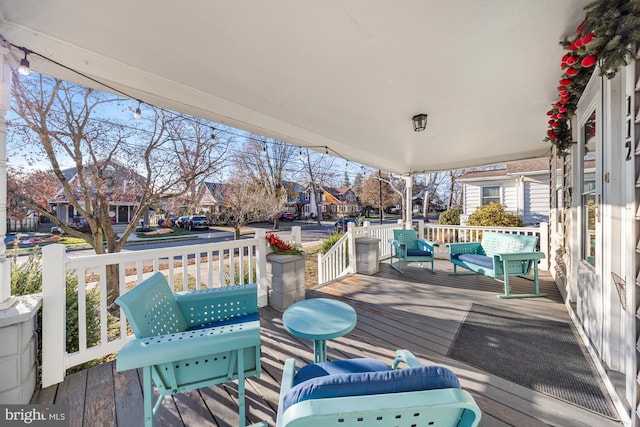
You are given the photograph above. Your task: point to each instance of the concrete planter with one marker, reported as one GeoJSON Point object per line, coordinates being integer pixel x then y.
{"type": "Point", "coordinates": [18, 361]}
{"type": "Point", "coordinates": [367, 254]}
{"type": "Point", "coordinates": [285, 277]}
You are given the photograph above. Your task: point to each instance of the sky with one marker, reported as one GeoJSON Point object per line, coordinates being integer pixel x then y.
{"type": "Point", "coordinates": [122, 111]}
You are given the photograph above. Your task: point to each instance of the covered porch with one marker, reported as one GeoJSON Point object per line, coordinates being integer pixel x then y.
{"type": "Point", "coordinates": [420, 311]}
{"type": "Point", "coordinates": [345, 78]}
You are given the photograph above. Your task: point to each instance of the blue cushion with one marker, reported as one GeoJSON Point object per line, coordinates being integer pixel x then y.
{"type": "Point", "coordinates": [481, 260]}
{"type": "Point", "coordinates": [348, 366]}
{"type": "Point", "coordinates": [368, 383]}
{"type": "Point", "coordinates": [418, 252]}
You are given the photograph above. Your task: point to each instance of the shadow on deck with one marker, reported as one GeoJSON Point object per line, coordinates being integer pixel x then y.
{"type": "Point", "coordinates": [419, 310]}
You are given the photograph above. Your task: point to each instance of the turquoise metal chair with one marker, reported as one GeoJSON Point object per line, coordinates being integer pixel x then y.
{"type": "Point", "coordinates": [368, 392]}
{"type": "Point", "coordinates": [406, 246]}
{"type": "Point", "coordinates": [190, 340]}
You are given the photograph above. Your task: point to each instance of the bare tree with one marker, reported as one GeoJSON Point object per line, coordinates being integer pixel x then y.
{"type": "Point", "coordinates": [245, 201]}
{"type": "Point", "coordinates": [455, 189]}
{"type": "Point", "coordinates": [67, 123]}
{"type": "Point", "coordinates": [197, 139]}
{"type": "Point", "coordinates": [316, 171]}
{"type": "Point", "coordinates": [265, 162]}
{"type": "Point", "coordinates": [376, 191]}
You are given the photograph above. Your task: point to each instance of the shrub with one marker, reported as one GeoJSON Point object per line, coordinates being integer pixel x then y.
{"type": "Point", "coordinates": [493, 215]}
{"type": "Point", "coordinates": [26, 278]}
{"type": "Point", "coordinates": [450, 217]}
{"type": "Point", "coordinates": [329, 242]}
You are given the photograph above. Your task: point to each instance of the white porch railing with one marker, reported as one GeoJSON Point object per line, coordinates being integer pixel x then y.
{"type": "Point", "coordinates": [292, 237]}
{"type": "Point", "coordinates": [340, 260]}
{"type": "Point", "coordinates": [444, 234]}
{"type": "Point", "coordinates": [186, 267]}
{"type": "Point", "coordinates": [337, 262]}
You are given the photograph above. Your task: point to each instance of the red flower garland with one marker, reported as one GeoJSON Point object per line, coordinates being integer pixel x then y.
{"type": "Point", "coordinates": [571, 85]}
{"type": "Point", "coordinates": [279, 246]}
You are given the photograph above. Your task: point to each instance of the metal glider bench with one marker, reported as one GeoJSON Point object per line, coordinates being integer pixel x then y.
{"type": "Point", "coordinates": [500, 254]}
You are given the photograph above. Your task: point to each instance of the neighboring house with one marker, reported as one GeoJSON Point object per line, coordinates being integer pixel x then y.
{"type": "Point", "coordinates": [522, 187]}
{"type": "Point", "coordinates": [308, 202]}
{"type": "Point", "coordinates": [341, 201]}
{"type": "Point", "coordinates": [297, 199]}
{"type": "Point", "coordinates": [211, 197]}
{"type": "Point", "coordinates": [124, 193]}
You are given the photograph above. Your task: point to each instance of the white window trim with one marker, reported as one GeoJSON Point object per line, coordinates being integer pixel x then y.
{"type": "Point", "coordinates": [500, 195]}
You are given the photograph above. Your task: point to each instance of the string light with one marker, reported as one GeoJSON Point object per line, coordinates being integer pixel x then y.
{"type": "Point", "coordinates": [137, 114]}
{"type": "Point", "coordinates": [25, 70]}
{"type": "Point", "coordinates": [24, 67]}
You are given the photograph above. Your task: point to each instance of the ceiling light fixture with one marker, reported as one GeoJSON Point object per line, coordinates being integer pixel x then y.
{"type": "Point", "coordinates": [419, 122]}
{"type": "Point", "coordinates": [24, 67]}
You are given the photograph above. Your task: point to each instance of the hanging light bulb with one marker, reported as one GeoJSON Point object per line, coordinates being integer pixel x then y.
{"type": "Point", "coordinates": [326, 150]}
{"type": "Point", "coordinates": [213, 135]}
{"type": "Point", "coordinates": [24, 65]}
{"type": "Point", "coordinates": [137, 114]}
{"type": "Point", "coordinates": [300, 152]}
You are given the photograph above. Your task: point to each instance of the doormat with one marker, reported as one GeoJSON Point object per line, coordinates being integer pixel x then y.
{"type": "Point", "coordinates": [540, 354]}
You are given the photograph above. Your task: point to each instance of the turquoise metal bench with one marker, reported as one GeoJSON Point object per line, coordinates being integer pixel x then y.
{"type": "Point", "coordinates": [368, 392]}
{"type": "Point", "coordinates": [190, 340]}
{"type": "Point", "coordinates": [406, 246]}
{"type": "Point", "coordinates": [500, 255]}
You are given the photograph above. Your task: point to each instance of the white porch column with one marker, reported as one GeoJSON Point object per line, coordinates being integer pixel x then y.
{"type": "Point", "coordinates": [6, 300]}
{"type": "Point", "coordinates": [261, 267]}
{"type": "Point", "coordinates": [520, 192]}
{"type": "Point", "coordinates": [409, 202]}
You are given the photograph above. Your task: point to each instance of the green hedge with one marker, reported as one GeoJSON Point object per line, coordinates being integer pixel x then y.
{"type": "Point", "coordinates": [26, 278]}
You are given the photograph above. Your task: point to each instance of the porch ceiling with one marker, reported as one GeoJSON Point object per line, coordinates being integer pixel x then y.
{"type": "Point", "coordinates": [347, 74]}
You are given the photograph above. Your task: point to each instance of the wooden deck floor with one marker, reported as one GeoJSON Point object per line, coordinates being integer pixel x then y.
{"type": "Point", "coordinates": [420, 311]}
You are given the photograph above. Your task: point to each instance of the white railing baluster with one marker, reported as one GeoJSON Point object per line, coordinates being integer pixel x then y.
{"type": "Point", "coordinates": [209, 269]}
{"type": "Point", "coordinates": [82, 310]}
{"type": "Point", "coordinates": [220, 269]}
{"type": "Point", "coordinates": [198, 267]}
{"type": "Point", "coordinates": [103, 304]}
{"type": "Point", "coordinates": [185, 272]}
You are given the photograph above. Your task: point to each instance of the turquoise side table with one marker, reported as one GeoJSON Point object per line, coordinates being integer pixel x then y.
{"type": "Point", "coordinates": [319, 319]}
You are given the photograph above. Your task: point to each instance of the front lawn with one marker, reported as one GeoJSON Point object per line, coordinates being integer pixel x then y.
{"type": "Point", "coordinates": [163, 232]}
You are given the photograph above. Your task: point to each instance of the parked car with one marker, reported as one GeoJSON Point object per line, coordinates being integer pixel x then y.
{"type": "Point", "coordinates": [79, 223]}
{"type": "Point", "coordinates": [341, 224]}
{"type": "Point", "coordinates": [181, 221]}
{"type": "Point", "coordinates": [196, 221]}
{"type": "Point", "coordinates": [286, 216]}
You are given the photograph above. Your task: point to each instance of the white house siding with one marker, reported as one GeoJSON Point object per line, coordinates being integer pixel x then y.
{"type": "Point", "coordinates": [510, 197]}
{"type": "Point", "coordinates": [473, 192]}
{"type": "Point", "coordinates": [536, 201]}
{"type": "Point", "coordinates": [471, 198]}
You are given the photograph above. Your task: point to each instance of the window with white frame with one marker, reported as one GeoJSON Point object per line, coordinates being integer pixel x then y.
{"type": "Point", "coordinates": [588, 196]}
{"type": "Point", "coordinates": [490, 194]}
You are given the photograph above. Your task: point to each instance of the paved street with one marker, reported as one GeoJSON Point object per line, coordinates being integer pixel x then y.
{"type": "Point", "coordinates": [311, 232]}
